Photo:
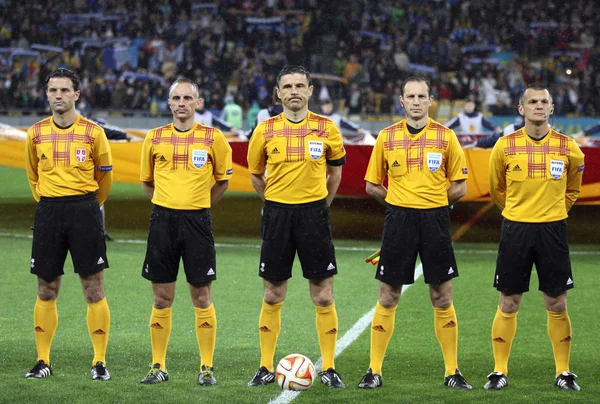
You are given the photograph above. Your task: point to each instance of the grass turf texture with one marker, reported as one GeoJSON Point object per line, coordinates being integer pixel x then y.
{"type": "Point", "coordinates": [413, 370]}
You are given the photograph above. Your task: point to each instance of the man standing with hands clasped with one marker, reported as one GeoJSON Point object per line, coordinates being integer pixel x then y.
{"type": "Point", "coordinates": [419, 156]}
{"type": "Point", "coordinates": [178, 165]}
{"type": "Point", "coordinates": [303, 155]}
{"type": "Point", "coordinates": [535, 178]}
{"type": "Point", "coordinates": [69, 166]}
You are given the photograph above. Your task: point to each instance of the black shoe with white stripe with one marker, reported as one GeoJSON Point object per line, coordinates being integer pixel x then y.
{"type": "Point", "coordinates": [457, 381]}
{"type": "Point", "coordinates": [39, 371]}
{"type": "Point", "coordinates": [566, 380]}
{"type": "Point", "coordinates": [497, 381]}
{"type": "Point", "coordinates": [370, 380]}
{"type": "Point", "coordinates": [331, 379]}
{"type": "Point", "coordinates": [155, 375]}
{"type": "Point", "coordinates": [99, 371]}
{"type": "Point", "coordinates": [262, 377]}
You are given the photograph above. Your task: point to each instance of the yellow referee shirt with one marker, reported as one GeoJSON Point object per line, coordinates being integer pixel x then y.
{"type": "Point", "coordinates": [418, 166]}
{"type": "Point", "coordinates": [535, 181]}
{"type": "Point", "coordinates": [67, 162]}
{"type": "Point", "coordinates": [294, 156]}
{"type": "Point", "coordinates": [184, 164]}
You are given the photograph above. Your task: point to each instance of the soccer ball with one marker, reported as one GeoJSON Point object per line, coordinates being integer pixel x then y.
{"type": "Point", "coordinates": [295, 372]}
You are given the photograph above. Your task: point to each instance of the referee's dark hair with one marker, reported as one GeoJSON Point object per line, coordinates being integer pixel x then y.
{"type": "Point", "coordinates": [292, 69]}
{"type": "Point", "coordinates": [536, 87]}
{"type": "Point", "coordinates": [64, 73]}
{"type": "Point", "coordinates": [418, 79]}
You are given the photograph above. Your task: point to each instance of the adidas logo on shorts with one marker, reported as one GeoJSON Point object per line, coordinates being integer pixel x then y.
{"type": "Point", "coordinates": [210, 272]}
{"type": "Point", "coordinates": [450, 271]}
{"type": "Point", "coordinates": [330, 266]}
{"type": "Point", "coordinates": [100, 261]}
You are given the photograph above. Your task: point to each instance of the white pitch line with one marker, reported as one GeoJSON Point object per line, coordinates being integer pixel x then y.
{"type": "Point", "coordinates": [351, 335]}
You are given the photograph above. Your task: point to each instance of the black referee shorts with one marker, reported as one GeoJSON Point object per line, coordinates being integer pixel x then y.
{"type": "Point", "coordinates": [524, 244]}
{"type": "Point", "coordinates": [408, 232]}
{"type": "Point", "coordinates": [68, 224]}
{"type": "Point", "coordinates": [304, 228]}
{"type": "Point", "coordinates": [180, 234]}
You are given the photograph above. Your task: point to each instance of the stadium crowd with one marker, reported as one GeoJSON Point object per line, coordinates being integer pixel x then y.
{"type": "Point", "coordinates": [128, 53]}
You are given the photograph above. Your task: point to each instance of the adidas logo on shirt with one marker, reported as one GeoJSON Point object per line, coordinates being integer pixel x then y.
{"type": "Point", "coordinates": [210, 272]}
{"type": "Point", "coordinates": [43, 157]}
{"type": "Point", "coordinates": [395, 164]}
{"type": "Point", "coordinates": [162, 158]}
{"type": "Point", "coordinates": [275, 151]}
{"type": "Point", "coordinates": [330, 266]}
{"type": "Point", "coordinates": [516, 168]}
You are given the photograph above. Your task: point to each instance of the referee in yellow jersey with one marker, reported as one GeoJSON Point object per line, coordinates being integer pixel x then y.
{"type": "Point", "coordinates": [418, 156]}
{"type": "Point", "coordinates": [69, 167]}
{"type": "Point", "coordinates": [535, 177]}
{"type": "Point", "coordinates": [180, 161]}
{"type": "Point", "coordinates": [302, 154]}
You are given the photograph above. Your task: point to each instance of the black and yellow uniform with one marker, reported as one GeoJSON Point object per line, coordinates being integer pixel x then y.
{"type": "Point", "coordinates": [70, 174]}
{"type": "Point", "coordinates": [296, 215]}
{"type": "Point", "coordinates": [183, 167]}
{"type": "Point", "coordinates": [534, 183]}
{"type": "Point", "coordinates": [418, 167]}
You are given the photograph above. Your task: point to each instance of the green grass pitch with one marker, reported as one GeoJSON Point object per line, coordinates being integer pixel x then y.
{"type": "Point", "coordinates": [413, 369]}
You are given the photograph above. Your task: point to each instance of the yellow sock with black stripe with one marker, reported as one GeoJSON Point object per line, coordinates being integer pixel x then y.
{"type": "Point", "coordinates": [382, 328]}
{"type": "Point", "coordinates": [206, 333]}
{"type": "Point", "coordinates": [327, 330]}
{"type": "Point", "coordinates": [98, 322]}
{"type": "Point", "coordinates": [269, 325]}
{"type": "Point", "coordinates": [446, 331]}
{"type": "Point", "coordinates": [559, 331]}
{"type": "Point", "coordinates": [504, 329]}
{"type": "Point", "coordinates": [45, 322]}
{"type": "Point", "coordinates": [161, 322]}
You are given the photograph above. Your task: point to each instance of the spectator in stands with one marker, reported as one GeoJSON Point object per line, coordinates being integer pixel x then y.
{"type": "Point", "coordinates": [275, 108]}
{"type": "Point", "coordinates": [207, 118]}
{"type": "Point", "coordinates": [232, 113]}
{"type": "Point", "coordinates": [471, 122]}
{"type": "Point", "coordinates": [364, 136]}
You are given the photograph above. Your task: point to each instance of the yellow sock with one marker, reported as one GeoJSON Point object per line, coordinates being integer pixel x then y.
{"type": "Point", "coordinates": [382, 328]}
{"type": "Point", "coordinates": [161, 322]}
{"type": "Point", "coordinates": [559, 331]}
{"type": "Point", "coordinates": [327, 329]}
{"type": "Point", "coordinates": [206, 332]}
{"type": "Point", "coordinates": [98, 322]}
{"type": "Point", "coordinates": [269, 325]}
{"type": "Point", "coordinates": [504, 329]}
{"type": "Point", "coordinates": [45, 321]}
{"type": "Point", "coordinates": [446, 331]}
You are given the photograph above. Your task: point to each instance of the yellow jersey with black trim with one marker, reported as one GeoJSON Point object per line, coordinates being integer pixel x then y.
{"type": "Point", "coordinates": [67, 162]}
{"type": "Point", "coordinates": [295, 155]}
{"type": "Point", "coordinates": [184, 165]}
{"type": "Point", "coordinates": [418, 166]}
{"type": "Point", "coordinates": [535, 181]}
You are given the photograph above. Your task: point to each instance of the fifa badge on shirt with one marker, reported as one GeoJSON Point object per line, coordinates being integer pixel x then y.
{"type": "Point", "coordinates": [199, 158]}
{"type": "Point", "coordinates": [556, 168]}
{"type": "Point", "coordinates": [315, 148]}
{"type": "Point", "coordinates": [80, 154]}
{"type": "Point", "coordinates": [434, 161]}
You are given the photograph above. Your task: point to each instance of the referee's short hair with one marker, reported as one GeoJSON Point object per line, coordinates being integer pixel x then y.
{"type": "Point", "coordinates": [292, 69]}
{"type": "Point", "coordinates": [64, 73]}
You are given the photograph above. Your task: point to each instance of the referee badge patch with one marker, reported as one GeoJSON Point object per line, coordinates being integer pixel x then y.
{"type": "Point", "coordinates": [199, 158]}
{"type": "Point", "coordinates": [557, 168]}
{"type": "Point", "coordinates": [434, 161]}
{"type": "Point", "coordinates": [315, 148]}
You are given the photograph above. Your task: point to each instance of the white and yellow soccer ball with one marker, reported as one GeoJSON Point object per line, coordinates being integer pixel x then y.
{"type": "Point", "coordinates": [295, 372]}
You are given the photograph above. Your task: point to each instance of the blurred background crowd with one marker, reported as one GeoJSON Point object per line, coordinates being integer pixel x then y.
{"type": "Point", "coordinates": [129, 52]}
